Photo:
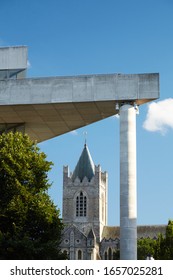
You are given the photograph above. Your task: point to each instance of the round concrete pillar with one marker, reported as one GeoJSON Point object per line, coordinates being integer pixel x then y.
{"type": "Point", "coordinates": [128, 200]}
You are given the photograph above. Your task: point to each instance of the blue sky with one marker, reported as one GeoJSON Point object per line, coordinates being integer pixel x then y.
{"type": "Point", "coordinates": [73, 37]}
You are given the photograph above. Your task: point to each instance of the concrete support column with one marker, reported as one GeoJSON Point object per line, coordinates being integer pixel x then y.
{"type": "Point", "coordinates": [128, 201]}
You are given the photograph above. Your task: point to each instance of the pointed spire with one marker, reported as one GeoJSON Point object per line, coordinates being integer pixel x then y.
{"type": "Point", "coordinates": [85, 166]}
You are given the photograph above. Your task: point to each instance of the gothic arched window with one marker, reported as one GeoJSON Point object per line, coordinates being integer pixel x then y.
{"type": "Point", "coordinates": [81, 205]}
{"type": "Point", "coordinates": [109, 254]}
{"type": "Point", "coordinates": [114, 255]}
{"type": "Point", "coordinates": [79, 255]}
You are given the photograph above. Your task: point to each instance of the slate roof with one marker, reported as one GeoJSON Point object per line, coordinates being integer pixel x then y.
{"type": "Point", "coordinates": [85, 166]}
{"type": "Point", "coordinates": [145, 231]}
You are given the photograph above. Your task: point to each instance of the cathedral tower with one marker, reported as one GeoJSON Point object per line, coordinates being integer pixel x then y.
{"type": "Point", "coordinates": [85, 196]}
{"type": "Point", "coordinates": [86, 235]}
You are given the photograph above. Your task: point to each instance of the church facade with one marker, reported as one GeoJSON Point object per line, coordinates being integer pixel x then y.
{"type": "Point", "coordinates": [86, 235]}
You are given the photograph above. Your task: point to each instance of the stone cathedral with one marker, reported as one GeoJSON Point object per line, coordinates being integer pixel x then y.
{"type": "Point", "coordinates": [86, 235]}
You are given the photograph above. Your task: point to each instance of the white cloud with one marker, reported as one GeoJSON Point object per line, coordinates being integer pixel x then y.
{"type": "Point", "coordinates": [28, 64]}
{"type": "Point", "coordinates": [74, 132]}
{"type": "Point", "coordinates": [116, 116]}
{"type": "Point", "coordinates": [159, 116]}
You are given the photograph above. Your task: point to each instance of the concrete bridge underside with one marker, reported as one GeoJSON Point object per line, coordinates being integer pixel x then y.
{"type": "Point", "coordinates": [48, 107]}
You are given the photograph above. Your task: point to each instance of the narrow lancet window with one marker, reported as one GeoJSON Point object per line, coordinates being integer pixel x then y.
{"type": "Point", "coordinates": [81, 205]}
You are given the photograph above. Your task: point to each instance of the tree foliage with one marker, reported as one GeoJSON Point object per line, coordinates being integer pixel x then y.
{"type": "Point", "coordinates": [166, 243]}
{"type": "Point", "coordinates": [145, 247]}
{"type": "Point", "coordinates": [30, 227]}
{"type": "Point", "coordinates": [160, 248]}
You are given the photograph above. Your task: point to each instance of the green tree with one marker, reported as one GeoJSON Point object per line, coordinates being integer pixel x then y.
{"type": "Point", "coordinates": [145, 247]}
{"type": "Point", "coordinates": [169, 240]}
{"type": "Point", "coordinates": [30, 227]}
{"type": "Point", "coordinates": [165, 244]}
{"type": "Point", "coordinates": [161, 248]}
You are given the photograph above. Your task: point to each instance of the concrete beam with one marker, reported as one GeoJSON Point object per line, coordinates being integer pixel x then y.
{"type": "Point", "coordinates": [52, 106]}
{"type": "Point", "coordinates": [111, 87]}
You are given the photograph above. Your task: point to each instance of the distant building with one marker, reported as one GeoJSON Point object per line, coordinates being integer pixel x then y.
{"type": "Point", "coordinates": [86, 235]}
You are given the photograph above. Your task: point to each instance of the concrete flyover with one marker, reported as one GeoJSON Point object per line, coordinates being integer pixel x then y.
{"type": "Point", "coordinates": [49, 107]}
